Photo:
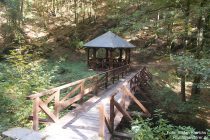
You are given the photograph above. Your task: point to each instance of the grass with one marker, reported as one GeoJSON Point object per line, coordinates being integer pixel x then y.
{"type": "Point", "coordinates": [66, 72]}
{"type": "Point", "coordinates": [20, 81]}
{"type": "Point", "coordinates": [166, 91]}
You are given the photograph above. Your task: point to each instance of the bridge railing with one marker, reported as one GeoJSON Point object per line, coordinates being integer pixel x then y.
{"type": "Point", "coordinates": [140, 79]}
{"type": "Point", "coordinates": [51, 102]}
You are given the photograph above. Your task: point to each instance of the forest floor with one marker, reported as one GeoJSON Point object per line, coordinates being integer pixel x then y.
{"type": "Point", "coordinates": [61, 48]}
{"type": "Point", "coordinates": [165, 95]}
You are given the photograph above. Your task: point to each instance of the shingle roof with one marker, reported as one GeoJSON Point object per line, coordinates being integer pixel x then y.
{"type": "Point", "coordinates": [109, 40]}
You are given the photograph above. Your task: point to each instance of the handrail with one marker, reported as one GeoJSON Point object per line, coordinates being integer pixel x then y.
{"type": "Point", "coordinates": [78, 90]}
{"type": "Point", "coordinates": [116, 107]}
{"type": "Point", "coordinates": [33, 96]}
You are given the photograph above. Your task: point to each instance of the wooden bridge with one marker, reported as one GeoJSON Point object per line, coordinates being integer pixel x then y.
{"type": "Point", "coordinates": [90, 108]}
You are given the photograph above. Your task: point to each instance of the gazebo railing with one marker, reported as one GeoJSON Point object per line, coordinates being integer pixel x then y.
{"type": "Point", "coordinates": [105, 64]}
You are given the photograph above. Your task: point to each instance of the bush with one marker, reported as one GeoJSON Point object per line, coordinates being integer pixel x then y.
{"type": "Point", "coordinates": [159, 129]}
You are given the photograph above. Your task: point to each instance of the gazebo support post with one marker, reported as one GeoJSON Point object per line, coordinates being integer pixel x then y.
{"type": "Point", "coordinates": [88, 57]}
{"type": "Point", "coordinates": [126, 56]}
{"type": "Point", "coordinates": [120, 60]}
{"type": "Point", "coordinates": [111, 59]}
{"type": "Point", "coordinates": [129, 56]}
{"type": "Point", "coordinates": [94, 58]}
{"type": "Point", "coordinates": [107, 55]}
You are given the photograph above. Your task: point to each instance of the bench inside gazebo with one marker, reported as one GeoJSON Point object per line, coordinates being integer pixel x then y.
{"type": "Point", "coordinates": [108, 51]}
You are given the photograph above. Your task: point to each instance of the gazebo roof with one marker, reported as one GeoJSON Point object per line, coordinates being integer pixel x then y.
{"type": "Point", "coordinates": [109, 40]}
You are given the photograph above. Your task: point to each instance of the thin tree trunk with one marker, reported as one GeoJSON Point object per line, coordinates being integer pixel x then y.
{"type": "Point", "coordinates": [22, 11]}
{"type": "Point", "coordinates": [187, 14]}
{"type": "Point", "coordinates": [75, 12]}
{"type": "Point", "coordinates": [186, 26]}
{"type": "Point", "coordinates": [183, 88]}
{"type": "Point", "coordinates": [200, 43]}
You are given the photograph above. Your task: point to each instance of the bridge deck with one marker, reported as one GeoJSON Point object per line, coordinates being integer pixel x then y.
{"type": "Point", "coordinates": [83, 122]}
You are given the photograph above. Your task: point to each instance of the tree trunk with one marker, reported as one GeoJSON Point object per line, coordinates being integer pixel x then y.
{"type": "Point", "coordinates": [183, 88]}
{"type": "Point", "coordinates": [22, 12]}
{"type": "Point", "coordinates": [186, 26]}
{"type": "Point", "coordinates": [186, 30]}
{"type": "Point", "coordinates": [75, 12]}
{"type": "Point", "coordinates": [200, 43]}
{"type": "Point", "coordinates": [195, 86]}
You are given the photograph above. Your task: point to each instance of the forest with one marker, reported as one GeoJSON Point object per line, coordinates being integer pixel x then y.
{"type": "Point", "coordinates": [41, 47]}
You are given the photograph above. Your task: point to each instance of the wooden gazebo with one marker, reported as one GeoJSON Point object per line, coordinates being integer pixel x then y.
{"type": "Point", "coordinates": [117, 52]}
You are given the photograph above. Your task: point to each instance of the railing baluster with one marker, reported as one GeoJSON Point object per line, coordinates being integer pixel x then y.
{"type": "Point", "coordinates": [107, 79]}
{"type": "Point", "coordinates": [112, 114]}
{"type": "Point", "coordinates": [113, 76]}
{"type": "Point", "coordinates": [57, 104]}
{"type": "Point", "coordinates": [35, 114]}
{"type": "Point", "coordinates": [82, 92]}
{"type": "Point", "coordinates": [96, 85]}
{"type": "Point", "coordinates": [101, 121]}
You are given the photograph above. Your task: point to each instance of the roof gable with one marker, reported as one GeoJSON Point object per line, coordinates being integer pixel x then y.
{"type": "Point", "coordinates": [109, 40]}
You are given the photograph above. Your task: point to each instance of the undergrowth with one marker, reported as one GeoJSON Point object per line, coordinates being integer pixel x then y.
{"type": "Point", "coordinates": [159, 128]}
{"type": "Point", "coordinates": [166, 94]}
{"type": "Point", "coordinates": [20, 77]}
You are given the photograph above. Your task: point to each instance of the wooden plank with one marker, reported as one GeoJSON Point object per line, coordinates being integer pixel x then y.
{"type": "Point", "coordinates": [108, 125]}
{"type": "Point", "coordinates": [123, 135]}
{"type": "Point", "coordinates": [79, 121]}
{"type": "Point", "coordinates": [67, 103]}
{"type": "Point", "coordinates": [53, 90]}
{"type": "Point", "coordinates": [34, 96]}
{"type": "Point", "coordinates": [124, 112]}
{"type": "Point", "coordinates": [47, 110]}
{"type": "Point", "coordinates": [71, 92]}
{"type": "Point", "coordinates": [41, 120]}
{"type": "Point", "coordinates": [125, 89]}
{"type": "Point", "coordinates": [49, 99]}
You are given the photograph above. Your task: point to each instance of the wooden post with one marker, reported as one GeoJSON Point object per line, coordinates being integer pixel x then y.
{"type": "Point", "coordinates": [101, 121]}
{"type": "Point", "coordinates": [126, 56]}
{"type": "Point", "coordinates": [129, 56]}
{"type": "Point", "coordinates": [57, 104]}
{"type": "Point", "coordinates": [35, 114]}
{"type": "Point", "coordinates": [88, 57]}
{"type": "Point", "coordinates": [123, 111]}
{"type": "Point", "coordinates": [113, 76]}
{"type": "Point", "coordinates": [120, 60]}
{"type": "Point", "coordinates": [183, 88]}
{"type": "Point", "coordinates": [94, 58]}
{"type": "Point", "coordinates": [107, 55]}
{"type": "Point", "coordinates": [96, 85]}
{"type": "Point", "coordinates": [82, 91]}
{"type": "Point", "coordinates": [107, 80]}
{"type": "Point", "coordinates": [111, 59]}
{"type": "Point", "coordinates": [127, 92]}
{"type": "Point", "coordinates": [112, 115]}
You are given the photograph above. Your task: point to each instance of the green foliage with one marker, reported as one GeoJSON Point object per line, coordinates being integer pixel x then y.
{"type": "Point", "coordinates": [14, 11]}
{"type": "Point", "coordinates": [160, 129]}
{"type": "Point", "coordinates": [77, 44]}
{"type": "Point", "coordinates": [22, 75]}
{"type": "Point", "coordinates": [195, 67]}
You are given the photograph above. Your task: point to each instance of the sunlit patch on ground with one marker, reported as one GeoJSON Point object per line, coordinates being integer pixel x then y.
{"type": "Point", "coordinates": [34, 32]}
